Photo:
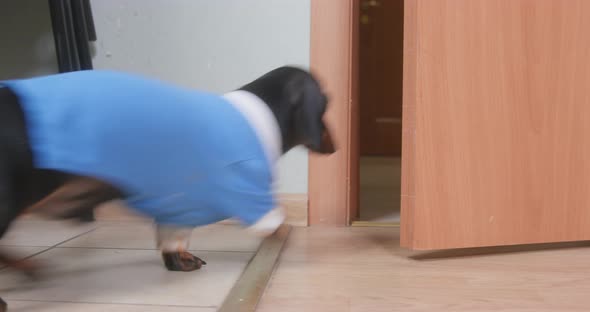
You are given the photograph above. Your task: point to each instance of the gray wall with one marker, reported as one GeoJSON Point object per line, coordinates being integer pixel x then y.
{"type": "Point", "coordinates": [26, 39]}
{"type": "Point", "coordinates": [213, 45]}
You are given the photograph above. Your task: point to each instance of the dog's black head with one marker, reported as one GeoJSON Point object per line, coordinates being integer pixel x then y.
{"type": "Point", "coordinates": [298, 103]}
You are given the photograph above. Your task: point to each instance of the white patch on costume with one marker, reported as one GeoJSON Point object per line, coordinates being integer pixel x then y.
{"type": "Point", "coordinates": [269, 223]}
{"type": "Point", "coordinates": [173, 239]}
{"type": "Point", "coordinates": [262, 120]}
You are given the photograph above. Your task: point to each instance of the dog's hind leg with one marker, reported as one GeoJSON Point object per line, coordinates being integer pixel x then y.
{"type": "Point", "coordinates": [76, 199]}
{"type": "Point", "coordinates": [8, 203]}
{"type": "Point", "coordinates": [9, 211]}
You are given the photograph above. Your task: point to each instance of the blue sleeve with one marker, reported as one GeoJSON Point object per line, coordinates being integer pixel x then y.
{"type": "Point", "coordinates": [248, 193]}
{"type": "Point", "coordinates": [242, 191]}
{"type": "Point", "coordinates": [179, 209]}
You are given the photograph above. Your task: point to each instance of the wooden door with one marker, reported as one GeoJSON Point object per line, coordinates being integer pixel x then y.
{"type": "Point", "coordinates": [496, 122]}
{"type": "Point", "coordinates": [380, 76]}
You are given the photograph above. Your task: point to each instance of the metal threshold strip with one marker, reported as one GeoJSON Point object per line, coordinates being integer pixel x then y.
{"type": "Point", "coordinates": [250, 287]}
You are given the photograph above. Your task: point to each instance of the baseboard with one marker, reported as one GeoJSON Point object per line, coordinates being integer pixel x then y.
{"type": "Point", "coordinates": [294, 204]}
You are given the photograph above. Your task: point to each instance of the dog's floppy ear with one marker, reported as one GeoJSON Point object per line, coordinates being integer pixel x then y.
{"type": "Point", "coordinates": [309, 107]}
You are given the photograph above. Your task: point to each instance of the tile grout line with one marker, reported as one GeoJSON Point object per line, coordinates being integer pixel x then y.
{"type": "Point", "coordinates": [152, 249]}
{"type": "Point", "coordinates": [114, 303]}
{"type": "Point", "coordinates": [48, 248]}
{"type": "Point", "coordinates": [72, 238]}
{"type": "Point", "coordinates": [132, 248]}
{"type": "Point", "coordinates": [22, 246]}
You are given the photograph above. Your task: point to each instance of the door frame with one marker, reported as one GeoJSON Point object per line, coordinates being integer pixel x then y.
{"type": "Point", "coordinates": [333, 188]}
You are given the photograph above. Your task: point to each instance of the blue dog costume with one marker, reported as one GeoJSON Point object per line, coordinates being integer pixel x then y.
{"type": "Point", "coordinates": [184, 158]}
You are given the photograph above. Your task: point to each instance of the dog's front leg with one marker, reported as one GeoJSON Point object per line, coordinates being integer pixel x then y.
{"type": "Point", "coordinates": [173, 242]}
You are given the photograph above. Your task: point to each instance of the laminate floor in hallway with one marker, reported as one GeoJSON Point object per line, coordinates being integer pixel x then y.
{"type": "Point", "coordinates": [364, 270]}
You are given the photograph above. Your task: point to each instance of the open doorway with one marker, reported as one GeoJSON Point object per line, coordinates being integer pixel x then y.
{"type": "Point", "coordinates": [380, 77]}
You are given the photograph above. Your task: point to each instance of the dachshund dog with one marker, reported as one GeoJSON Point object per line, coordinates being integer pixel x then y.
{"type": "Point", "coordinates": [70, 142]}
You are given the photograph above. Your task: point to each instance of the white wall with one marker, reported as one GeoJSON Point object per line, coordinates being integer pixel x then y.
{"type": "Point", "coordinates": [213, 45]}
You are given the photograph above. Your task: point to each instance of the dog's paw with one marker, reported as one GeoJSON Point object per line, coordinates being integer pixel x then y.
{"type": "Point", "coordinates": [182, 261]}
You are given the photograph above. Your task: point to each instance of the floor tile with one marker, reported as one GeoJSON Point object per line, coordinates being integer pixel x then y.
{"type": "Point", "coordinates": [116, 276]}
{"type": "Point", "coordinates": [142, 236]}
{"type": "Point", "coordinates": [42, 306]}
{"type": "Point", "coordinates": [43, 233]}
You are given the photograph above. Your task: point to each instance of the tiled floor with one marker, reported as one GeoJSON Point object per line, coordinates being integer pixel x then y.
{"type": "Point", "coordinates": [380, 189]}
{"type": "Point", "coordinates": [114, 266]}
